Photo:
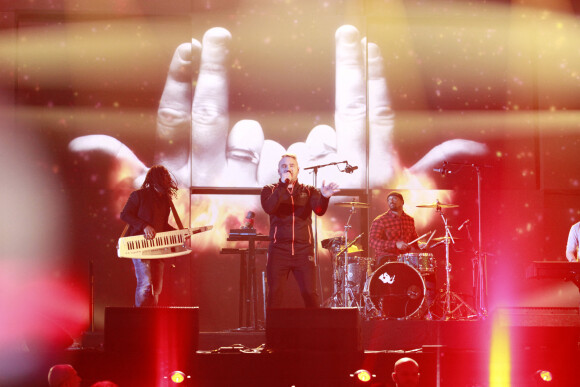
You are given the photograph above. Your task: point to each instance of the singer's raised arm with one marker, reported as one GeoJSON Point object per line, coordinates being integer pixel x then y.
{"type": "Point", "coordinates": [271, 197]}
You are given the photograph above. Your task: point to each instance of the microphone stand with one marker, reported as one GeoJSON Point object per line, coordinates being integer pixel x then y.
{"type": "Point", "coordinates": [481, 283]}
{"type": "Point", "coordinates": [480, 278]}
{"type": "Point", "coordinates": [474, 264]}
{"type": "Point", "coordinates": [315, 169]}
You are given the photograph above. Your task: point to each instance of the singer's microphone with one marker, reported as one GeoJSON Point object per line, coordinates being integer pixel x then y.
{"type": "Point", "coordinates": [463, 224]}
{"type": "Point", "coordinates": [442, 171]}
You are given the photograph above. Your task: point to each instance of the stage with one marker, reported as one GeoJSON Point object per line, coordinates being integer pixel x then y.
{"type": "Point", "coordinates": [450, 353]}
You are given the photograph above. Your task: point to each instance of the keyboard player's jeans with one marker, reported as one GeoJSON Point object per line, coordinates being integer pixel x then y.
{"type": "Point", "coordinates": [149, 274]}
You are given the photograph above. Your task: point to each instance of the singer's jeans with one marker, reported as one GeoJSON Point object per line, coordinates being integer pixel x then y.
{"type": "Point", "coordinates": [278, 269]}
{"type": "Point", "coordinates": [149, 274]}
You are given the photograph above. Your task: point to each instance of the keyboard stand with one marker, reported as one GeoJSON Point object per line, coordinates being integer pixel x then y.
{"type": "Point", "coordinates": [248, 299]}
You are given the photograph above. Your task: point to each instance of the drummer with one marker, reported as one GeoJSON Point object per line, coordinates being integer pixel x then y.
{"type": "Point", "coordinates": [392, 231]}
{"type": "Point", "coordinates": [390, 235]}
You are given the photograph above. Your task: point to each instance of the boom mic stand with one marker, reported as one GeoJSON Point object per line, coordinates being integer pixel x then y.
{"type": "Point", "coordinates": [481, 280]}
{"type": "Point", "coordinates": [315, 169]}
{"type": "Point", "coordinates": [480, 267]}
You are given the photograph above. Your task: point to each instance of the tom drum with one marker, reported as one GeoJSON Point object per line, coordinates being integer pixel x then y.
{"type": "Point", "coordinates": [423, 262]}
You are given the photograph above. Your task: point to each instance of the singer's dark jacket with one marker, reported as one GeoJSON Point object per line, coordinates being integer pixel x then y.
{"type": "Point", "coordinates": [291, 216]}
{"type": "Point", "coordinates": [145, 207]}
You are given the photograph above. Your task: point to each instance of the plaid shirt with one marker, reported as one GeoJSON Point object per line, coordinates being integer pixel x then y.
{"type": "Point", "coordinates": [387, 229]}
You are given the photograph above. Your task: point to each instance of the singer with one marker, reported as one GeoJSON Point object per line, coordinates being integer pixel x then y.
{"type": "Point", "coordinates": [290, 206]}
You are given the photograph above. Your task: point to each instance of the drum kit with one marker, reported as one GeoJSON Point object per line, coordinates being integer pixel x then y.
{"type": "Point", "coordinates": [397, 289]}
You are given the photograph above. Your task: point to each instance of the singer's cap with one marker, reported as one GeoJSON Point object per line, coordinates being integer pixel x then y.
{"type": "Point", "coordinates": [397, 194]}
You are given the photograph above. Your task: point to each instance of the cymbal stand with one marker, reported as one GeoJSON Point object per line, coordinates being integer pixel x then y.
{"type": "Point", "coordinates": [447, 312]}
{"type": "Point", "coordinates": [477, 276]}
{"type": "Point", "coordinates": [337, 288]}
{"type": "Point", "coordinates": [348, 289]}
{"type": "Point", "coordinates": [336, 299]}
{"type": "Point", "coordinates": [347, 226]}
{"type": "Point", "coordinates": [315, 169]}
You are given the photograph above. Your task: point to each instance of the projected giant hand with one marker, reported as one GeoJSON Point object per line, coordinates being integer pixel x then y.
{"type": "Point", "coordinates": [217, 156]}
{"type": "Point", "coordinates": [348, 141]}
{"type": "Point", "coordinates": [214, 158]}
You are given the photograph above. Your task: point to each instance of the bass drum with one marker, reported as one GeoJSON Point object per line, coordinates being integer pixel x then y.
{"type": "Point", "coordinates": [395, 291]}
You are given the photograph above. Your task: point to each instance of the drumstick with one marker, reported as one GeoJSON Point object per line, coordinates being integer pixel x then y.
{"type": "Point", "coordinates": [421, 237]}
{"type": "Point", "coordinates": [349, 244]}
{"type": "Point", "coordinates": [432, 235]}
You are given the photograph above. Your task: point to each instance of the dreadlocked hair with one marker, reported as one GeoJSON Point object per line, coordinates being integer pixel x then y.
{"type": "Point", "coordinates": [160, 176]}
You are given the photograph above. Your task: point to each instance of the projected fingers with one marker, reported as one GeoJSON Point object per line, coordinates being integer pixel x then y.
{"type": "Point", "coordinates": [269, 157]}
{"type": "Point", "coordinates": [447, 150]}
{"type": "Point", "coordinates": [210, 117]}
{"type": "Point", "coordinates": [244, 149]}
{"type": "Point", "coordinates": [384, 161]}
{"type": "Point", "coordinates": [350, 108]}
{"type": "Point", "coordinates": [96, 147]}
{"type": "Point", "coordinates": [174, 114]}
{"type": "Point", "coordinates": [321, 147]}
{"type": "Point", "coordinates": [357, 81]}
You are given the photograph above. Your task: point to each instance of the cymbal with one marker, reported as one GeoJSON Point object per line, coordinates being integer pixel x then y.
{"type": "Point", "coordinates": [444, 238]}
{"type": "Point", "coordinates": [355, 249]}
{"type": "Point", "coordinates": [435, 205]}
{"type": "Point", "coordinates": [352, 204]}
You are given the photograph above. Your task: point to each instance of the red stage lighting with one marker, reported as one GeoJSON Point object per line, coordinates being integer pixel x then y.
{"type": "Point", "coordinates": [544, 375]}
{"type": "Point", "coordinates": [363, 376]}
{"type": "Point", "coordinates": [177, 377]}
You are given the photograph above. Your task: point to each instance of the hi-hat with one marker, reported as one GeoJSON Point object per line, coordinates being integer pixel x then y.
{"type": "Point", "coordinates": [438, 205]}
{"type": "Point", "coordinates": [352, 204]}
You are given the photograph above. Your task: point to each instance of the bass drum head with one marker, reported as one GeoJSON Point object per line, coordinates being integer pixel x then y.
{"type": "Point", "coordinates": [396, 290]}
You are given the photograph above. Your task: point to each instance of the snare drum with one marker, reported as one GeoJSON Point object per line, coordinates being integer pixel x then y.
{"type": "Point", "coordinates": [395, 290]}
{"type": "Point", "coordinates": [423, 262]}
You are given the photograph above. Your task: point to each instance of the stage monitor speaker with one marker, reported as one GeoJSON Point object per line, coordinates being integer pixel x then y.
{"type": "Point", "coordinates": [553, 328]}
{"type": "Point", "coordinates": [335, 329]}
{"type": "Point", "coordinates": [541, 316]}
{"type": "Point", "coordinates": [151, 329]}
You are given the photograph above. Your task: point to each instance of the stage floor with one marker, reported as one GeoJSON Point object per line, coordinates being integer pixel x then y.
{"type": "Point", "coordinates": [450, 353]}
